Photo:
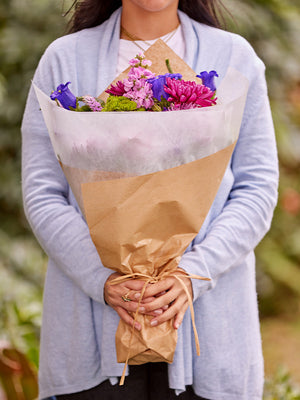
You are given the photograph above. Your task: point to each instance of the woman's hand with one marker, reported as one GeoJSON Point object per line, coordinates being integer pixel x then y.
{"type": "Point", "coordinates": [113, 297]}
{"type": "Point", "coordinates": [168, 293]}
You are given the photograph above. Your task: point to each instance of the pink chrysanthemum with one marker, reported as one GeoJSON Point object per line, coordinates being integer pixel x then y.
{"type": "Point", "coordinates": [183, 93]}
{"type": "Point", "coordinates": [117, 89]}
{"type": "Point", "coordinates": [92, 103]}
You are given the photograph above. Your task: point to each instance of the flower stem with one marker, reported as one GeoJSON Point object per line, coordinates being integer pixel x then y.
{"type": "Point", "coordinates": [169, 66]}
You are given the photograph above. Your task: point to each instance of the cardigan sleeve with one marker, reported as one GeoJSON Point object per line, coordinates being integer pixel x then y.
{"type": "Point", "coordinates": [58, 225]}
{"type": "Point", "coordinates": [248, 211]}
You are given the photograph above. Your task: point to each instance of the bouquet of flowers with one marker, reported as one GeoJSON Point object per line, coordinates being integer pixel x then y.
{"type": "Point", "coordinates": [143, 91]}
{"type": "Point", "coordinates": [145, 180]}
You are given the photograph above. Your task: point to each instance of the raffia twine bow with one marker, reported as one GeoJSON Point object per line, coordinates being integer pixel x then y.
{"type": "Point", "coordinates": [154, 279]}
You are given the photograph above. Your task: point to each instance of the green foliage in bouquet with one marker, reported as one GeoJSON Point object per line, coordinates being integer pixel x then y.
{"type": "Point", "coordinates": [120, 103]}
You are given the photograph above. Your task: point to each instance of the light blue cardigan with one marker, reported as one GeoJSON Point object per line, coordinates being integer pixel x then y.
{"type": "Point", "coordinates": [77, 341]}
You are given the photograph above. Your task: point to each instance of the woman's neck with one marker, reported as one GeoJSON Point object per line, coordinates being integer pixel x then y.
{"type": "Point", "coordinates": [146, 25]}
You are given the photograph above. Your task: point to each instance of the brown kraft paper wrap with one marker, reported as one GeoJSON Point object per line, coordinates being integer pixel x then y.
{"type": "Point", "coordinates": [142, 225]}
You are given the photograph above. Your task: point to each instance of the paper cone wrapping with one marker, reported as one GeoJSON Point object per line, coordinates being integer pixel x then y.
{"type": "Point", "coordinates": [143, 225]}
{"type": "Point", "coordinates": [145, 182]}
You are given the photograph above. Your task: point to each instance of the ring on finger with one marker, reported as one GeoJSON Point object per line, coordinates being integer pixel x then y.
{"type": "Point", "coordinates": [126, 297]}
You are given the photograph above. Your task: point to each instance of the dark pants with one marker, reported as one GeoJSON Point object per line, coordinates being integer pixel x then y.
{"type": "Point", "coordinates": [145, 382]}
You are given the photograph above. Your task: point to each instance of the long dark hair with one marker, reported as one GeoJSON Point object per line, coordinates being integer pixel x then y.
{"type": "Point", "coordinates": [89, 13]}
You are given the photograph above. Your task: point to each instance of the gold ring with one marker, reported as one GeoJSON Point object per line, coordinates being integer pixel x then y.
{"type": "Point", "coordinates": [126, 298]}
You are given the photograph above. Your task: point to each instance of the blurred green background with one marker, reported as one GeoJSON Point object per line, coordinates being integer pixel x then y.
{"type": "Point", "coordinates": [273, 28]}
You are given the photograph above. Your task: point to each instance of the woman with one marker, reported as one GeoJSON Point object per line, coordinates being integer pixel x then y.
{"type": "Point", "coordinates": [81, 311]}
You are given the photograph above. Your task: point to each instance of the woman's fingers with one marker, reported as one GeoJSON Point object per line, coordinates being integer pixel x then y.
{"type": "Point", "coordinates": [176, 311]}
{"type": "Point", "coordinates": [175, 297]}
{"type": "Point", "coordinates": [113, 292]}
{"type": "Point", "coordinates": [127, 318]}
{"type": "Point", "coordinates": [121, 295]}
{"type": "Point", "coordinates": [134, 284]}
{"type": "Point", "coordinates": [147, 300]}
{"type": "Point", "coordinates": [163, 286]}
{"type": "Point", "coordinates": [156, 289]}
{"type": "Point", "coordinates": [179, 317]}
{"type": "Point", "coordinates": [154, 313]}
{"type": "Point", "coordinates": [164, 300]}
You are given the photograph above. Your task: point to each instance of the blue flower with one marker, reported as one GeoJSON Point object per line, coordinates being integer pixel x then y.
{"type": "Point", "coordinates": [208, 79]}
{"type": "Point", "coordinates": [64, 96]}
{"type": "Point", "coordinates": [158, 84]}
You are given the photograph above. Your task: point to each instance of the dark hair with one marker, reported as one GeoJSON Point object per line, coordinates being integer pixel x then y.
{"type": "Point", "coordinates": [89, 13]}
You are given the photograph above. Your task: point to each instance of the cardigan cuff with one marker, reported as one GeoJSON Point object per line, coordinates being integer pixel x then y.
{"type": "Point", "coordinates": [196, 268]}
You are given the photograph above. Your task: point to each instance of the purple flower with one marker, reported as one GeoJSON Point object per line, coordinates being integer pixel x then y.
{"type": "Point", "coordinates": [208, 79]}
{"type": "Point", "coordinates": [158, 84]}
{"type": "Point", "coordinates": [64, 96]}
